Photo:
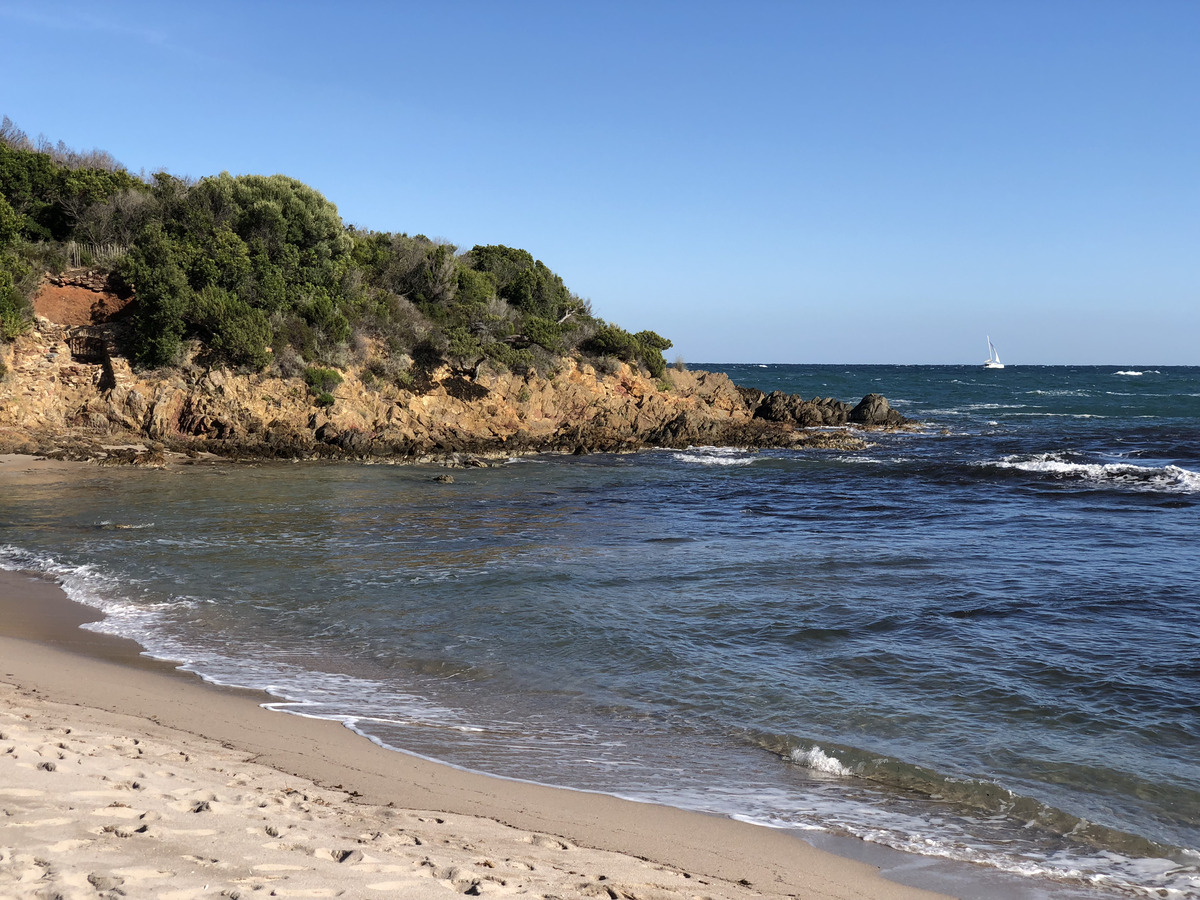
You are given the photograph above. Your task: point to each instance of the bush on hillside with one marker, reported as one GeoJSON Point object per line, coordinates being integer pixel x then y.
{"type": "Point", "coordinates": [243, 263]}
{"type": "Point", "coordinates": [322, 381]}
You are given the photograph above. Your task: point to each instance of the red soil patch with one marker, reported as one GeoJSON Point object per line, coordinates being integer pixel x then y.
{"type": "Point", "coordinates": [71, 305]}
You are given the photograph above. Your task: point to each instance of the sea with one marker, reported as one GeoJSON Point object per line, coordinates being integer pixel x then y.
{"type": "Point", "coordinates": [975, 642]}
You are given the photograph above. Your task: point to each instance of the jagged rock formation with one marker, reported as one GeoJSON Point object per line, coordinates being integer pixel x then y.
{"type": "Point", "coordinates": [788, 408]}
{"type": "Point", "coordinates": [874, 410]}
{"type": "Point", "coordinates": [69, 391]}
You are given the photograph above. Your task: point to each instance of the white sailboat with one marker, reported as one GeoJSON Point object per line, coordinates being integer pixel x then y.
{"type": "Point", "coordinates": [993, 360]}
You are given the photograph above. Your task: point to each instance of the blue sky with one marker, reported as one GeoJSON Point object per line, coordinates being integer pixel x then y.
{"type": "Point", "coordinates": [845, 182]}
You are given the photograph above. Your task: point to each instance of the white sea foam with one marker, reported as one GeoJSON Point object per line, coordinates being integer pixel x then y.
{"type": "Point", "coordinates": [299, 689]}
{"type": "Point", "coordinates": [819, 761]}
{"type": "Point", "coordinates": [967, 408]}
{"type": "Point", "coordinates": [1049, 415]}
{"type": "Point", "coordinates": [714, 456]}
{"type": "Point", "coordinates": [1128, 372]}
{"type": "Point", "coordinates": [909, 830]}
{"type": "Point", "coordinates": [1169, 478]}
{"type": "Point", "coordinates": [84, 584]}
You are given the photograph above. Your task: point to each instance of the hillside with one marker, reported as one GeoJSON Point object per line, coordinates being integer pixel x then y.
{"type": "Point", "coordinates": [240, 315]}
{"type": "Point", "coordinates": [69, 393]}
{"type": "Point", "coordinates": [263, 272]}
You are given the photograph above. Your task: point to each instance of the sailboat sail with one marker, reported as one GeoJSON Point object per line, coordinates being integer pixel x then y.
{"type": "Point", "coordinates": [993, 360]}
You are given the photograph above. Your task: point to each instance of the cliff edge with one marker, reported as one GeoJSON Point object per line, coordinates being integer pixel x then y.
{"type": "Point", "coordinates": [69, 392]}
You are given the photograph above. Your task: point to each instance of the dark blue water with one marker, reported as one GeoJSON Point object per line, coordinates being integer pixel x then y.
{"type": "Point", "coordinates": [978, 640]}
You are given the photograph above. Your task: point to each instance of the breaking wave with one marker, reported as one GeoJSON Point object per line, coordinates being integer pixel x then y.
{"type": "Point", "coordinates": [818, 760]}
{"type": "Point", "coordinates": [1089, 853]}
{"type": "Point", "coordinates": [714, 456]}
{"type": "Point", "coordinates": [1062, 466]}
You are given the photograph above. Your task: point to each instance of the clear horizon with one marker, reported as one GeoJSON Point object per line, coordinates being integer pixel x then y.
{"type": "Point", "coordinates": [700, 364]}
{"type": "Point", "coordinates": [864, 183]}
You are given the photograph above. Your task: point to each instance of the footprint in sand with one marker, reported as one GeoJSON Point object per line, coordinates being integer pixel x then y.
{"type": "Point", "coordinates": [461, 880]}
{"type": "Point", "coordinates": [119, 811]}
{"type": "Point", "coordinates": [339, 856]}
{"type": "Point", "coordinates": [105, 882]}
{"type": "Point", "coordinates": [139, 874]}
{"type": "Point", "coordinates": [67, 846]}
{"type": "Point", "coordinates": [124, 831]}
{"type": "Point", "coordinates": [546, 842]}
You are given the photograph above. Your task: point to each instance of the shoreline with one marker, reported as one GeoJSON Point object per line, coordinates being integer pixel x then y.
{"type": "Point", "coordinates": [106, 682]}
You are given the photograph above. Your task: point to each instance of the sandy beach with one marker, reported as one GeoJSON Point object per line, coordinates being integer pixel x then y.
{"type": "Point", "coordinates": [120, 776]}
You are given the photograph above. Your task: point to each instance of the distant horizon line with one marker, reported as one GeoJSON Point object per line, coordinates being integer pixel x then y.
{"type": "Point", "coordinates": [1125, 366]}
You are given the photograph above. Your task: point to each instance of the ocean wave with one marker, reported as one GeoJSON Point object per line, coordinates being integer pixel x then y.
{"type": "Point", "coordinates": [714, 456]}
{"type": "Point", "coordinates": [1051, 415]}
{"type": "Point", "coordinates": [298, 689]}
{"type": "Point", "coordinates": [1169, 478]}
{"type": "Point", "coordinates": [969, 408]}
{"type": "Point", "coordinates": [1092, 853]}
{"type": "Point", "coordinates": [818, 760]}
{"type": "Point", "coordinates": [1133, 373]}
{"type": "Point", "coordinates": [85, 584]}
{"type": "Point", "coordinates": [92, 586]}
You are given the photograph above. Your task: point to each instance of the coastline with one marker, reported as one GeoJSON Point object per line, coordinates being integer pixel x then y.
{"type": "Point", "coordinates": [94, 683]}
{"type": "Point", "coordinates": [69, 394]}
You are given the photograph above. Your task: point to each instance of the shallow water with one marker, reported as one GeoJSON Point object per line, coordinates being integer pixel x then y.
{"type": "Point", "coordinates": [976, 642]}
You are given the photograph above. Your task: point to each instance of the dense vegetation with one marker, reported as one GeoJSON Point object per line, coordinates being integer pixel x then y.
{"type": "Point", "coordinates": [262, 271]}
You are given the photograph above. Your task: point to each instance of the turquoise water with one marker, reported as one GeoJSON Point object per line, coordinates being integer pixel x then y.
{"type": "Point", "coordinates": [976, 642]}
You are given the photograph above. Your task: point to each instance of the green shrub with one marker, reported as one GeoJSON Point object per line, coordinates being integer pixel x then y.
{"type": "Point", "coordinates": [235, 331]}
{"type": "Point", "coordinates": [324, 400]}
{"type": "Point", "coordinates": [243, 262]}
{"type": "Point", "coordinates": [544, 332]}
{"type": "Point", "coordinates": [650, 348]}
{"type": "Point", "coordinates": [322, 381]}
{"type": "Point", "coordinates": [10, 223]}
{"type": "Point", "coordinates": [614, 341]}
{"type": "Point", "coordinates": [474, 287]}
{"type": "Point", "coordinates": [461, 344]}
{"type": "Point", "coordinates": [519, 361]}
{"type": "Point", "coordinates": [14, 306]}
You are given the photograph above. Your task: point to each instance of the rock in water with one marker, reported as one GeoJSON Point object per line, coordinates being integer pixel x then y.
{"type": "Point", "coordinates": [874, 409]}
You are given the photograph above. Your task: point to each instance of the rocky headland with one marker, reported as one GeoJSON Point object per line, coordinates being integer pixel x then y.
{"type": "Point", "coordinates": [69, 392]}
